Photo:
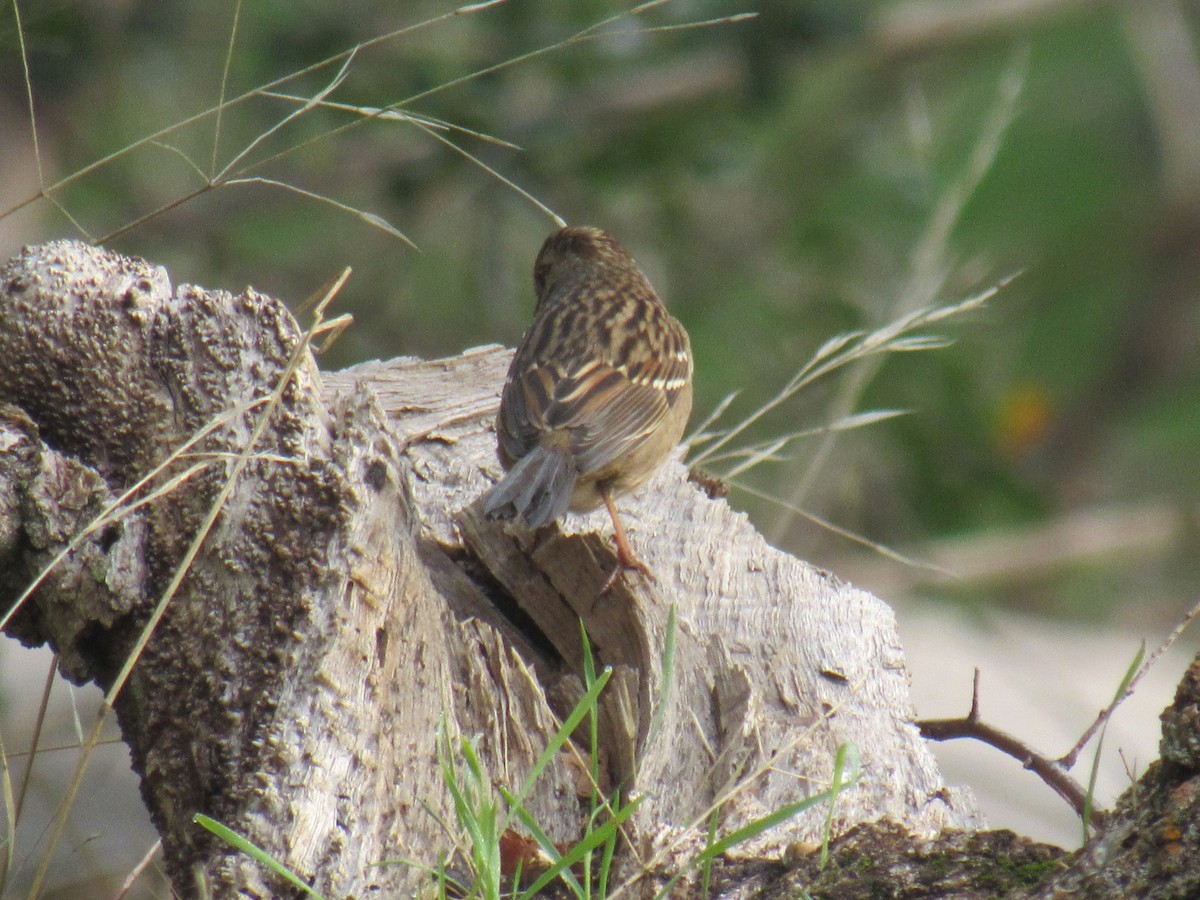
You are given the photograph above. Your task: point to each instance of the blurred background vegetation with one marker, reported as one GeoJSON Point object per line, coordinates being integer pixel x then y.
{"type": "Point", "coordinates": [782, 178]}
{"type": "Point", "coordinates": [821, 167]}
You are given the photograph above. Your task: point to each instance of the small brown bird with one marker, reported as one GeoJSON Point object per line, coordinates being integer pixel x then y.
{"type": "Point", "coordinates": [597, 394]}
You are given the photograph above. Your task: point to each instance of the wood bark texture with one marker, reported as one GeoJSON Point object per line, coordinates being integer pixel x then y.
{"type": "Point", "coordinates": [350, 603]}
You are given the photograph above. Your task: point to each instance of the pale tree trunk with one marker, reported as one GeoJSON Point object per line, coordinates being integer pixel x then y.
{"type": "Point", "coordinates": [349, 601]}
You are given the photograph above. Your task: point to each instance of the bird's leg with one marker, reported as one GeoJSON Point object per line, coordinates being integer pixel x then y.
{"type": "Point", "coordinates": [626, 559]}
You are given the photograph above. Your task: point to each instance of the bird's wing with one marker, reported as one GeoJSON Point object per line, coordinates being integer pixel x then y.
{"type": "Point", "coordinates": [604, 407]}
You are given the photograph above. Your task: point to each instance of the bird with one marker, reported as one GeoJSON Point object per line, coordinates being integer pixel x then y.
{"type": "Point", "coordinates": [598, 392]}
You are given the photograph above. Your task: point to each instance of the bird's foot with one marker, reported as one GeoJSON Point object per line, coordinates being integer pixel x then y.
{"type": "Point", "coordinates": [627, 561]}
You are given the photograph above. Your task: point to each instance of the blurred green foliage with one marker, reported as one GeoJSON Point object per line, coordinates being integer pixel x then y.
{"type": "Point", "coordinates": [775, 176]}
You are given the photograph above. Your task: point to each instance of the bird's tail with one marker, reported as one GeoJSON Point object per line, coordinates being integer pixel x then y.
{"type": "Point", "coordinates": [536, 489]}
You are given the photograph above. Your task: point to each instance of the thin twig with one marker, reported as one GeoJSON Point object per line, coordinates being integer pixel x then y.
{"type": "Point", "coordinates": [1130, 768]}
{"type": "Point", "coordinates": [1049, 770]}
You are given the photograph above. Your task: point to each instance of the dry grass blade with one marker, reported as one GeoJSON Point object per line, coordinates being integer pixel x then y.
{"type": "Point", "coordinates": [112, 741]}
{"type": "Point", "coordinates": [332, 330]}
{"type": "Point", "coordinates": [124, 504]}
{"type": "Point", "coordinates": [27, 775]}
{"type": "Point", "coordinates": [881, 549]}
{"type": "Point", "coordinates": [688, 26]}
{"type": "Point", "coordinates": [136, 872]}
{"type": "Point", "coordinates": [845, 349]}
{"type": "Point", "coordinates": [1129, 685]}
{"type": "Point", "coordinates": [765, 451]}
{"type": "Point", "coordinates": [760, 453]}
{"type": "Point", "coordinates": [700, 434]}
{"type": "Point", "coordinates": [216, 143]}
{"type": "Point", "coordinates": [33, 129]}
{"type": "Point", "coordinates": [191, 163]}
{"type": "Point", "coordinates": [10, 816]}
{"type": "Point", "coordinates": [559, 220]}
{"type": "Point", "coordinates": [394, 115]}
{"type": "Point", "coordinates": [370, 218]}
{"type": "Point", "coordinates": [700, 821]}
{"type": "Point", "coordinates": [308, 106]}
{"type": "Point", "coordinates": [592, 32]}
{"type": "Point", "coordinates": [223, 177]}
{"type": "Point", "coordinates": [153, 214]}
{"type": "Point", "coordinates": [238, 170]}
{"type": "Point", "coordinates": [46, 192]}
{"type": "Point", "coordinates": [928, 267]}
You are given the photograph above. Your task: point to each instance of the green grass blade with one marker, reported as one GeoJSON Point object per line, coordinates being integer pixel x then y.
{"type": "Point", "coordinates": [590, 842]}
{"type": "Point", "coordinates": [477, 814]}
{"type": "Point", "coordinates": [706, 867]}
{"type": "Point", "coordinates": [586, 703]}
{"type": "Point", "coordinates": [751, 830]}
{"type": "Point", "coordinates": [668, 674]}
{"type": "Point", "coordinates": [235, 840]}
{"type": "Point", "coordinates": [846, 758]}
{"type": "Point", "coordinates": [547, 845]}
{"type": "Point", "coordinates": [1117, 695]}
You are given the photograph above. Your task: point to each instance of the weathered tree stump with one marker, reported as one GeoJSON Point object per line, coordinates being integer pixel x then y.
{"type": "Point", "coordinates": [349, 601]}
